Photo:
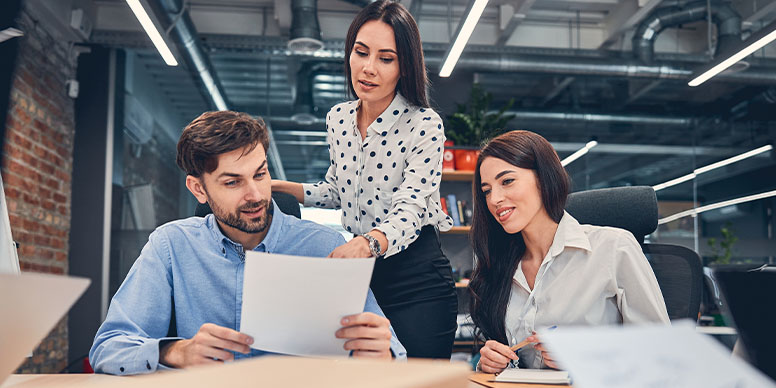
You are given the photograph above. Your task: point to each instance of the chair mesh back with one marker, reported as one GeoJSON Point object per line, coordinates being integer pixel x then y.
{"type": "Point", "coordinates": [633, 208]}
{"type": "Point", "coordinates": [679, 273]}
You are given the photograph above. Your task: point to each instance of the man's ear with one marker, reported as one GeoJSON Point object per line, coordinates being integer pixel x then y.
{"type": "Point", "coordinates": [197, 188]}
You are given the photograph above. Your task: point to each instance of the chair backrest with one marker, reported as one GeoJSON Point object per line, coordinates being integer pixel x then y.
{"type": "Point", "coordinates": [680, 274]}
{"type": "Point", "coordinates": [634, 208]}
{"type": "Point", "coordinates": [285, 202]}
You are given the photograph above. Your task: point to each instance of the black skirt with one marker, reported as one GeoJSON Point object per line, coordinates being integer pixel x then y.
{"type": "Point", "coordinates": [416, 290]}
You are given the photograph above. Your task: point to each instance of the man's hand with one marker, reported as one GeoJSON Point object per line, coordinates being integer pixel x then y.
{"type": "Point", "coordinates": [211, 344]}
{"type": "Point", "coordinates": [368, 335]}
{"type": "Point", "coordinates": [495, 356]}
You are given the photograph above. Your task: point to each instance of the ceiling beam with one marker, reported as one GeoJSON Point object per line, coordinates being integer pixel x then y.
{"type": "Point", "coordinates": [510, 16]}
{"type": "Point", "coordinates": [557, 90]}
{"type": "Point", "coordinates": [626, 16]}
{"type": "Point", "coordinates": [759, 15]}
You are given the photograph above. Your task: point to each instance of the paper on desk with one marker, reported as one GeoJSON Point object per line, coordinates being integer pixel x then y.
{"type": "Point", "coordinates": [293, 304]}
{"type": "Point", "coordinates": [649, 357]}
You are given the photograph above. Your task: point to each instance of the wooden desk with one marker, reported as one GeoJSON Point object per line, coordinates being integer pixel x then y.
{"type": "Point", "coordinates": [479, 380]}
{"type": "Point", "coordinates": [274, 372]}
{"type": "Point", "coordinates": [44, 381]}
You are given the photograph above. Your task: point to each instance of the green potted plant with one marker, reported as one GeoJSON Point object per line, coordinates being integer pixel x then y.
{"type": "Point", "coordinates": [723, 247]}
{"type": "Point", "coordinates": [474, 123]}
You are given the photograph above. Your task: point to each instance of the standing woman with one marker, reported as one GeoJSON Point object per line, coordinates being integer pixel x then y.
{"type": "Point", "coordinates": [386, 166]}
{"type": "Point", "coordinates": [537, 267]}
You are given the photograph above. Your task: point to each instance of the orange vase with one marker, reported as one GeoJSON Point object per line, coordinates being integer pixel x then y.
{"type": "Point", "coordinates": [466, 160]}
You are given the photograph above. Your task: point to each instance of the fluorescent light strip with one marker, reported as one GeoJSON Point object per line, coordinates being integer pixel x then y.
{"type": "Point", "coordinates": [579, 153]}
{"type": "Point", "coordinates": [721, 163]}
{"type": "Point", "coordinates": [673, 182]}
{"type": "Point", "coordinates": [150, 29]}
{"type": "Point", "coordinates": [463, 37]}
{"type": "Point", "coordinates": [746, 51]}
{"type": "Point", "coordinates": [734, 159]}
{"type": "Point", "coordinates": [698, 210]}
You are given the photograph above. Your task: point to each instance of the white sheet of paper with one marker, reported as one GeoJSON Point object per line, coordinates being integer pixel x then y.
{"type": "Point", "coordinates": [293, 304]}
{"type": "Point", "coordinates": [649, 357]}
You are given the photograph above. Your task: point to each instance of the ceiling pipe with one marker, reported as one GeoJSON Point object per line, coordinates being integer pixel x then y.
{"type": "Point", "coordinates": [360, 3]}
{"type": "Point", "coordinates": [592, 66]}
{"type": "Point", "coordinates": [728, 23]}
{"type": "Point", "coordinates": [604, 118]}
{"type": "Point", "coordinates": [186, 37]}
{"type": "Point", "coordinates": [526, 115]}
{"type": "Point", "coordinates": [305, 33]}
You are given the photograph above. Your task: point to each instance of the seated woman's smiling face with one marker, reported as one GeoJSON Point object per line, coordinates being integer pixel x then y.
{"type": "Point", "coordinates": [512, 193]}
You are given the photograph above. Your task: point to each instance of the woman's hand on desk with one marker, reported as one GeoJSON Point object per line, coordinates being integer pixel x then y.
{"type": "Point", "coordinates": [211, 344]}
{"type": "Point", "coordinates": [547, 358]}
{"type": "Point", "coordinates": [495, 356]}
{"type": "Point", "coordinates": [368, 335]}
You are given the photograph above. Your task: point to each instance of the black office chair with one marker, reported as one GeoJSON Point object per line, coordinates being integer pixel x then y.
{"type": "Point", "coordinates": [287, 203]}
{"type": "Point", "coordinates": [678, 270]}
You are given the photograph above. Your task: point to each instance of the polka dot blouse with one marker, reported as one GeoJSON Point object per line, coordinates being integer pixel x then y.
{"type": "Point", "coordinates": [390, 180]}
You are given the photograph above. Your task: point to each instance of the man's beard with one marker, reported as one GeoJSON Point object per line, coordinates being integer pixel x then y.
{"type": "Point", "coordinates": [255, 225]}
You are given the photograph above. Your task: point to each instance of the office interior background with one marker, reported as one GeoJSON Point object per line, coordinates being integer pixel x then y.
{"type": "Point", "coordinates": [92, 114]}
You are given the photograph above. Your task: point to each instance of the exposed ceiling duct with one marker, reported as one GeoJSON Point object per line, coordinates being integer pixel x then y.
{"type": "Point", "coordinates": [303, 101]}
{"type": "Point", "coordinates": [665, 121]}
{"type": "Point", "coordinates": [360, 3]}
{"type": "Point", "coordinates": [527, 115]}
{"type": "Point", "coordinates": [724, 16]}
{"type": "Point", "coordinates": [195, 57]}
{"type": "Point", "coordinates": [305, 30]}
{"type": "Point", "coordinates": [592, 66]}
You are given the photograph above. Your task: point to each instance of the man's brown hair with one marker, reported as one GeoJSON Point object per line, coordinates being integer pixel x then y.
{"type": "Point", "coordinates": [214, 133]}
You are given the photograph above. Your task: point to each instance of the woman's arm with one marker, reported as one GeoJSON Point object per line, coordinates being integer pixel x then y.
{"type": "Point", "coordinates": [422, 176]}
{"type": "Point", "coordinates": [292, 188]}
{"type": "Point", "coordinates": [324, 194]}
{"type": "Point", "coordinates": [638, 294]}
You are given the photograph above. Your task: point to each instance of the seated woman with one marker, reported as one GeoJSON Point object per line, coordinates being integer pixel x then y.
{"type": "Point", "coordinates": [537, 267]}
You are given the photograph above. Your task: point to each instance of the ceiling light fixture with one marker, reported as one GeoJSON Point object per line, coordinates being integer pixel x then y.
{"type": "Point", "coordinates": [153, 33]}
{"type": "Point", "coordinates": [753, 43]}
{"type": "Point", "coordinates": [721, 163]}
{"type": "Point", "coordinates": [705, 208]}
{"type": "Point", "coordinates": [465, 29]}
{"type": "Point", "coordinates": [576, 155]}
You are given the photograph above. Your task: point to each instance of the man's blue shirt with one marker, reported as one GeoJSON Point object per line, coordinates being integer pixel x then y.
{"type": "Point", "coordinates": [189, 265]}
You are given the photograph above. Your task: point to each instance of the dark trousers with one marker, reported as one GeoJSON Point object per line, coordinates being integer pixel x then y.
{"type": "Point", "coordinates": [416, 291]}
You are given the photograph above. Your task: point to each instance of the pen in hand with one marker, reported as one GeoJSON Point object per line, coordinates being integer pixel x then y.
{"type": "Point", "coordinates": [525, 342]}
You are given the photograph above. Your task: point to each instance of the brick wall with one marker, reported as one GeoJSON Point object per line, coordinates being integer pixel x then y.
{"type": "Point", "coordinates": [37, 166]}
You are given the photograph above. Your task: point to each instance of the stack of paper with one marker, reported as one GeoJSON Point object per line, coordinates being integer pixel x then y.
{"type": "Point", "coordinates": [648, 356]}
{"type": "Point", "coordinates": [533, 376]}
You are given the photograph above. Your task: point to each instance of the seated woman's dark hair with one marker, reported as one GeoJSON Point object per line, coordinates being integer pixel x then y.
{"type": "Point", "coordinates": [497, 252]}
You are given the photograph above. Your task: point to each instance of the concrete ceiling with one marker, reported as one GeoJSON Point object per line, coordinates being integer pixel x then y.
{"type": "Point", "coordinates": [246, 43]}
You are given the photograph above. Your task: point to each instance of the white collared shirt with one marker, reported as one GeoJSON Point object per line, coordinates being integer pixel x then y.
{"type": "Point", "coordinates": [390, 180]}
{"type": "Point", "coordinates": [592, 275]}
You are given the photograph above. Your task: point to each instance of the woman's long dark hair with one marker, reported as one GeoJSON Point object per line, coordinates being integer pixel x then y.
{"type": "Point", "coordinates": [413, 80]}
{"type": "Point", "coordinates": [498, 252]}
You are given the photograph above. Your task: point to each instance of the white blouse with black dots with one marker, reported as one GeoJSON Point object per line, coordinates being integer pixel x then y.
{"type": "Point", "coordinates": [390, 180]}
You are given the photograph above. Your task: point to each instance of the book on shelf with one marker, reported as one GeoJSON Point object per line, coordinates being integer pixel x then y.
{"type": "Point", "coordinates": [466, 213]}
{"type": "Point", "coordinates": [443, 202]}
{"type": "Point", "coordinates": [451, 201]}
{"type": "Point", "coordinates": [460, 213]}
